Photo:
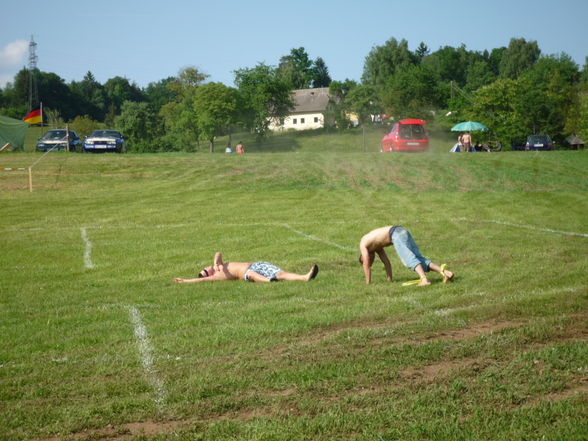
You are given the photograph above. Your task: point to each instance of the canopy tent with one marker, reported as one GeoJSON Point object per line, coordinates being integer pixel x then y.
{"type": "Point", "coordinates": [12, 131]}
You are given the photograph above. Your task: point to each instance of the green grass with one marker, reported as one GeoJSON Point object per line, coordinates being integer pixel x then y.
{"type": "Point", "coordinates": [362, 139]}
{"type": "Point", "coordinates": [498, 354]}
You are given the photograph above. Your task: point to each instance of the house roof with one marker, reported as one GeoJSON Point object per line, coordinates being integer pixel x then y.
{"type": "Point", "coordinates": [575, 140]}
{"type": "Point", "coordinates": [310, 100]}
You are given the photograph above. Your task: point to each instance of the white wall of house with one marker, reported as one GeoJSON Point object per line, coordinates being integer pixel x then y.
{"type": "Point", "coordinates": [309, 105]}
{"type": "Point", "coordinates": [304, 121]}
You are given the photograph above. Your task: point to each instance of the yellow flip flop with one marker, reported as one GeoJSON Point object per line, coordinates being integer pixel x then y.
{"type": "Point", "coordinates": [412, 282]}
{"type": "Point", "coordinates": [442, 272]}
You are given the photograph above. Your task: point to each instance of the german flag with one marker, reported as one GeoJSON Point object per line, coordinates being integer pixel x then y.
{"type": "Point", "coordinates": [34, 117]}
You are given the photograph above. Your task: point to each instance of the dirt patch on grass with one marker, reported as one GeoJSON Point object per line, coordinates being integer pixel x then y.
{"type": "Point", "coordinates": [474, 330]}
{"type": "Point", "coordinates": [430, 372]}
{"type": "Point", "coordinates": [576, 390]}
{"type": "Point", "coordinates": [236, 171]}
{"type": "Point", "coordinates": [123, 431]}
{"type": "Point", "coordinates": [334, 331]}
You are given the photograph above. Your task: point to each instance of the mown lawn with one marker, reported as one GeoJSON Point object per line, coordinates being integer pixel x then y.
{"type": "Point", "coordinates": [98, 343]}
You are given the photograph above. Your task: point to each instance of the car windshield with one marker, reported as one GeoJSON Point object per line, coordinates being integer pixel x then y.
{"type": "Point", "coordinates": [54, 134]}
{"type": "Point", "coordinates": [537, 139]}
{"type": "Point", "coordinates": [412, 131]}
{"type": "Point", "coordinates": [105, 134]}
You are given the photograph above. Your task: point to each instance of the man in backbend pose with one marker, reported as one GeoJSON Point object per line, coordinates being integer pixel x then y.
{"type": "Point", "coordinates": [376, 240]}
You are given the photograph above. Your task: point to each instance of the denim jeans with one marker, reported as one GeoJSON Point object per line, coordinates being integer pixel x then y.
{"type": "Point", "coordinates": [407, 249]}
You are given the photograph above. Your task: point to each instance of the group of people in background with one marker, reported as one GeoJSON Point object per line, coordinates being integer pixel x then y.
{"type": "Point", "coordinates": [239, 148]}
{"type": "Point", "coordinates": [464, 145]}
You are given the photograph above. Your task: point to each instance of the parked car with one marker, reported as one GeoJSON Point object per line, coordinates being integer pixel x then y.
{"type": "Point", "coordinates": [407, 135]}
{"type": "Point", "coordinates": [104, 141]}
{"type": "Point", "coordinates": [57, 140]}
{"type": "Point", "coordinates": [539, 142]}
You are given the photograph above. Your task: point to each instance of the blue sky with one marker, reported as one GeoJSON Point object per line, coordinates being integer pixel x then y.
{"type": "Point", "coordinates": [147, 41]}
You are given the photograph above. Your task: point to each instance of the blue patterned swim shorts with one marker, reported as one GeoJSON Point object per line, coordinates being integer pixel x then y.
{"type": "Point", "coordinates": [263, 268]}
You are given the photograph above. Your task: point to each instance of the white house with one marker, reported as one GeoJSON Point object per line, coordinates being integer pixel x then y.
{"type": "Point", "coordinates": [309, 105]}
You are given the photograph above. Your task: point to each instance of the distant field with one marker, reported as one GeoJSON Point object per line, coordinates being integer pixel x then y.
{"type": "Point", "coordinates": [98, 343]}
{"type": "Point", "coordinates": [362, 139]}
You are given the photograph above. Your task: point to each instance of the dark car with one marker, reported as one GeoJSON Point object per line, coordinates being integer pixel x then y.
{"type": "Point", "coordinates": [58, 140]}
{"type": "Point", "coordinates": [533, 142]}
{"type": "Point", "coordinates": [105, 141]}
{"type": "Point", "coordinates": [539, 142]}
{"type": "Point", "coordinates": [407, 135]}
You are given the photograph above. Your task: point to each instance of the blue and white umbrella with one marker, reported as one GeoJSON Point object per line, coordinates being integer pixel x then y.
{"type": "Point", "coordinates": [468, 126]}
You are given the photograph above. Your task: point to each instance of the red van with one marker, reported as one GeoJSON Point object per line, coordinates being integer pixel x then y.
{"type": "Point", "coordinates": [407, 135]}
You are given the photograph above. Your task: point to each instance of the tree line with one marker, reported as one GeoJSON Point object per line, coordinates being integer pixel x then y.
{"type": "Point", "coordinates": [514, 90]}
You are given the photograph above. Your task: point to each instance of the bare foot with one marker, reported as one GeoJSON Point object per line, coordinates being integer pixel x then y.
{"type": "Point", "coordinates": [424, 282]}
{"type": "Point", "coordinates": [447, 276]}
{"type": "Point", "coordinates": [312, 273]}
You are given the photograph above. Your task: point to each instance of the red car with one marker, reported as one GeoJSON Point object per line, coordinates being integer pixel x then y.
{"type": "Point", "coordinates": [407, 135]}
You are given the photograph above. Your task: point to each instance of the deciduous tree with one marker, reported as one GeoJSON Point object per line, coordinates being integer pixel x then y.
{"type": "Point", "coordinates": [140, 125]}
{"type": "Point", "coordinates": [518, 57]}
{"type": "Point", "coordinates": [383, 62]}
{"type": "Point", "coordinates": [215, 106]}
{"type": "Point", "coordinates": [264, 95]}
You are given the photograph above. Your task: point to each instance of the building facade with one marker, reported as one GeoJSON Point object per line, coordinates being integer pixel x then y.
{"type": "Point", "coordinates": [309, 105]}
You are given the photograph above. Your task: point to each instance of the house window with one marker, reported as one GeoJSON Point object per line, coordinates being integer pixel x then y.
{"type": "Point", "coordinates": [301, 120]}
{"type": "Point", "coordinates": [316, 119]}
{"type": "Point", "coordinates": [294, 121]}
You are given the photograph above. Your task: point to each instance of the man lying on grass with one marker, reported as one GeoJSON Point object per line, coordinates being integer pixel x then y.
{"type": "Point", "coordinates": [252, 272]}
{"type": "Point", "coordinates": [374, 242]}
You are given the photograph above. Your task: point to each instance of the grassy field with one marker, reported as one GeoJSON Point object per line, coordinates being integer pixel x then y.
{"type": "Point", "coordinates": [97, 343]}
{"type": "Point", "coordinates": [362, 139]}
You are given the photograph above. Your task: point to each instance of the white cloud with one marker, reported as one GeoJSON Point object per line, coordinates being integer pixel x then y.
{"type": "Point", "coordinates": [12, 58]}
{"type": "Point", "coordinates": [12, 55]}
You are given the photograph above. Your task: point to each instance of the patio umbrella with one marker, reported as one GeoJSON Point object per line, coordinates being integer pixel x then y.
{"type": "Point", "coordinates": [468, 126]}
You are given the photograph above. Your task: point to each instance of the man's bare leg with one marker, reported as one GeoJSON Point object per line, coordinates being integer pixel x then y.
{"type": "Point", "coordinates": [285, 275]}
{"type": "Point", "coordinates": [421, 272]}
{"type": "Point", "coordinates": [447, 275]}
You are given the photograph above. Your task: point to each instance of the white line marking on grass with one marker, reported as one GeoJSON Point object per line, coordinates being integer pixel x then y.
{"type": "Point", "coordinates": [318, 239]}
{"type": "Point", "coordinates": [146, 353]}
{"type": "Point", "coordinates": [528, 227]}
{"type": "Point", "coordinates": [88, 249]}
{"type": "Point", "coordinates": [254, 224]}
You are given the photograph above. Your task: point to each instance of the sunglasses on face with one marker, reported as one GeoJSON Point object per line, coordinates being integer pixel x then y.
{"type": "Point", "coordinates": [203, 273]}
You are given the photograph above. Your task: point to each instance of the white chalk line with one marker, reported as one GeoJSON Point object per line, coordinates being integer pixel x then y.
{"type": "Point", "coordinates": [262, 224]}
{"type": "Point", "coordinates": [318, 239]}
{"type": "Point", "coordinates": [528, 227]}
{"type": "Point", "coordinates": [88, 249]}
{"type": "Point", "coordinates": [146, 355]}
